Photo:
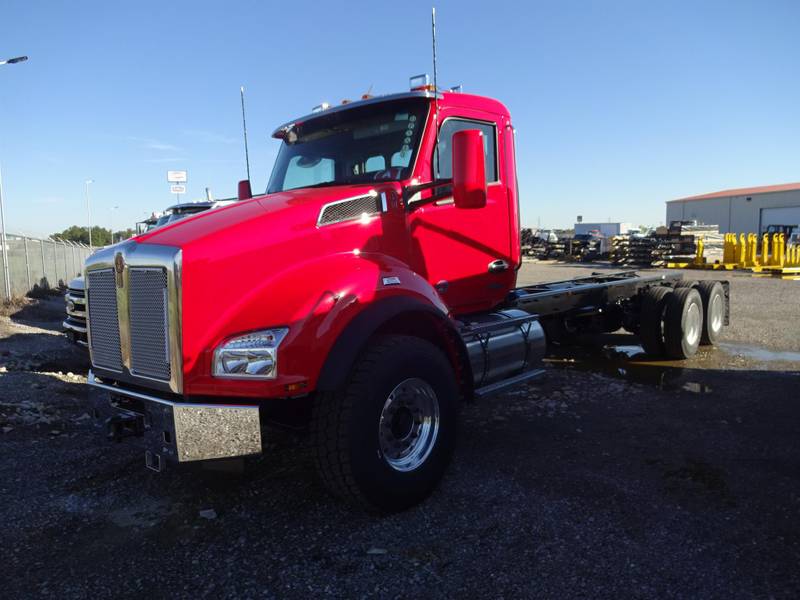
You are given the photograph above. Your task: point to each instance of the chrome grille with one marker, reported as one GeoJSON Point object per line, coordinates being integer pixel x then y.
{"type": "Point", "coordinates": [104, 335]}
{"type": "Point", "coordinates": [147, 305]}
{"type": "Point", "coordinates": [350, 209]}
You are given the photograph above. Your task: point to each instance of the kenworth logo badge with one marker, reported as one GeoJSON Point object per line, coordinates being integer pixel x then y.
{"type": "Point", "coordinates": [119, 268]}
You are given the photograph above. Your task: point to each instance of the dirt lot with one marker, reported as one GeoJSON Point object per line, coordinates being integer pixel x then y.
{"type": "Point", "coordinates": [613, 477]}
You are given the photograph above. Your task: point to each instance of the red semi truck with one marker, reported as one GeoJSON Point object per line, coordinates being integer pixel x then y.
{"type": "Point", "coordinates": [367, 293]}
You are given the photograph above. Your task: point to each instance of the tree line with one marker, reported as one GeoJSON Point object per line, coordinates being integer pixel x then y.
{"type": "Point", "coordinates": [100, 235]}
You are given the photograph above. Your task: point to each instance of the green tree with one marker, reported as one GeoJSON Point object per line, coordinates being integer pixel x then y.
{"type": "Point", "coordinates": [100, 235]}
{"type": "Point", "coordinates": [123, 235]}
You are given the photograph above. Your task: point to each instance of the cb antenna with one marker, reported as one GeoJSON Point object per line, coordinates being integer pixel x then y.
{"type": "Point", "coordinates": [435, 86]}
{"type": "Point", "coordinates": [244, 128]}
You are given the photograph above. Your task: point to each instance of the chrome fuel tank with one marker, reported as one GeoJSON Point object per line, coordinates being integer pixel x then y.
{"type": "Point", "coordinates": [502, 344]}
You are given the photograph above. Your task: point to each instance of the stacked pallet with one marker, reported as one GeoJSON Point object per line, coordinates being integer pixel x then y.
{"type": "Point", "coordinates": [633, 250]}
{"type": "Point", "coordinates": [678, 243]}
{"type": "Point", "coordinates": [713, 240]}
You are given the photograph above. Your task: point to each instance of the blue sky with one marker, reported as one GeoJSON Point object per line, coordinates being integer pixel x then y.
{"type": "Point", "coordinates": [619, 105]}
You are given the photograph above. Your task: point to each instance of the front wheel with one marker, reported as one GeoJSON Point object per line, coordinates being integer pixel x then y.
{"type": "Point", "coordinates": [384, 441]}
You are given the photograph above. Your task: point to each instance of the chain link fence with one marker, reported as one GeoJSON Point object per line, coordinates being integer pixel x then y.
{"type": "Point", "coordinates": [40, 265]}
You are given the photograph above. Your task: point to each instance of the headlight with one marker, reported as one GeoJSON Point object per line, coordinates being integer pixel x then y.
{"type": "Point", "coordinates": [250, 356]}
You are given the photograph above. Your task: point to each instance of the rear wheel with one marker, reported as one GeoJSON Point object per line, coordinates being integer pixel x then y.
{"type": "Point", "coordinates": [651, 316]}
{"type": "Point", "coordinates": [683, 323]}
{"type": "Point", "coordinates": [686, 283]}
{"type": "Point", "coordinates": [384, 441]}
{"type": "Point", "coordinates": [713, 296]}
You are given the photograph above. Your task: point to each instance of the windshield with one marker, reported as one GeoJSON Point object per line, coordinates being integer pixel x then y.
{"type": "Point", "coordinates": [377, 142]}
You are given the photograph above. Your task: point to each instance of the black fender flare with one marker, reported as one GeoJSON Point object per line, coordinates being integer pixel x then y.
{"type": "Point", "coordinates": [353, 340]}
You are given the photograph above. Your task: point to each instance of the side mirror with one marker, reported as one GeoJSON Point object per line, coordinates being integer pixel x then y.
{"type": "Point", "coordinates": [245, 193]}
{"type": "Point", "coordinates": [469, 169]}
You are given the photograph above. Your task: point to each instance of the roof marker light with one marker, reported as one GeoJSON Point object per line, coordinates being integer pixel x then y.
{"type": "Point", "coordinates": [419, 81]}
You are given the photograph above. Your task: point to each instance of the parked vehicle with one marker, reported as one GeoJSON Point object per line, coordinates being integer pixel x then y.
{"type": "Point", "coordinates": [75, 323]}
{"type": "Point", "coordinates": [367, 293]}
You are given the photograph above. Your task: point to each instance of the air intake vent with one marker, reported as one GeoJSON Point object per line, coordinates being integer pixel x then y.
{"type": "Point", "coordinates": [350, 209]}
{"type": "Point", "coordinates": [104, 335]}
{"type": "Point", "coordinates": [147, 303]}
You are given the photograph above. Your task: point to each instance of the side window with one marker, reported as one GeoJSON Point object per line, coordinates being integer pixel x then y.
{"type": "Point", "coordinates": [443, 164]}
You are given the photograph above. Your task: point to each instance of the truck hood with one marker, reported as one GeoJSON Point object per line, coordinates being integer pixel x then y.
{"type": "Point", "coordinates": [270, 217]}
{"type": "Point", "coordinates": [265, 262]}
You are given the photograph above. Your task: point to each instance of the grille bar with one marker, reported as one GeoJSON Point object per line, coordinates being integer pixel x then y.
{"type": "Point", "coordinates": [103, 320]}
{"type": "Point", "coordinates": [149, 328]}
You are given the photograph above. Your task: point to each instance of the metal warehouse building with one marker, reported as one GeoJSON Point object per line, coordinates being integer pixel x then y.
{"type": "Point", "coordinates": [744, 210]}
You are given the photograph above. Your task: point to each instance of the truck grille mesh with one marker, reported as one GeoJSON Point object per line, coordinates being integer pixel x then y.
{"type": "Point", "coordinates": [147, 305]}
{"type": "Point", "coordinates": [349, 210]}
{"type": "Point", "coordinates": [103, 320]}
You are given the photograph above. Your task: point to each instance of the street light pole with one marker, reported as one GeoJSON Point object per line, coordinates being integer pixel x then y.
{"type": "Point", "coordinates": [113, 208]}
{"type": "Point", "coordinates": [89, 212]}
{"type": "Point", "coordinates": [6, 273]}
{"type": "Point", "coordinates": [3, 241]}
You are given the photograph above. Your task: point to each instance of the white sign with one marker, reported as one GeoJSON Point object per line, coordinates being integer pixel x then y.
{"type": "Point", "coordinates": [176, 176]}
{"type": "Point", "coordinates": [177, 189]}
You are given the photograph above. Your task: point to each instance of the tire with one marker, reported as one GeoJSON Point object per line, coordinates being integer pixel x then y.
{"type": "Point", "coordinates": [686, 283]}
{"type": "Point", "coordinates": [683, 323]}
{"type": "Point", "coordinates": [651, 318]}
{"type": "Point", "coordinates": [713, 296]}
{"type": "Point", "coordinates": [359, 433]}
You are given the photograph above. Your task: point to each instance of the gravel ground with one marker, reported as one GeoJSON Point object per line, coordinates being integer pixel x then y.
{"type": "Point", "coordinates": [610, 478]}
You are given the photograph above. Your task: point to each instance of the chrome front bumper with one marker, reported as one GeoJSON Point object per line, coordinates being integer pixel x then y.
{"type": "Point", "coordinates": [175, 432]}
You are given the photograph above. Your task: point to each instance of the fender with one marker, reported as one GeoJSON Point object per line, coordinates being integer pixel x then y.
{"type": "Point", "coordinates": [353, 340]}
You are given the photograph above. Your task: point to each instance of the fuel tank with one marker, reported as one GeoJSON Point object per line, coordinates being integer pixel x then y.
{"type": "Point", "coordinates": [502, 344]}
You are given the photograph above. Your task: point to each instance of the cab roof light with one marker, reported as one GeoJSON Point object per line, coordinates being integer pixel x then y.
{"type": "Point", "coordinates": [320, 107]}
{"type": "Point", "coordinates": [420, 82]}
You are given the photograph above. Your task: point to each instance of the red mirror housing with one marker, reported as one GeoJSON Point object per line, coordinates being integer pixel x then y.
{"type": "Point", "coordinates": [469, 169]}
{"type": "Point", "coordinates": [245, 193]}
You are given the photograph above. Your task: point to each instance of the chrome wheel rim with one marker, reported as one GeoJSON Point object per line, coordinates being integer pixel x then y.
{"type": "Point", "coordinates": [409, 424]}
{"type": "Point", "coordinates": [715, 313]}
{"type": "Point", "coordinates": [694, 320]}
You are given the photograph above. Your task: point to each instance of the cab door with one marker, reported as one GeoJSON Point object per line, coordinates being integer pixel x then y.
{"type": "Point", "coordinates": [465, 253]}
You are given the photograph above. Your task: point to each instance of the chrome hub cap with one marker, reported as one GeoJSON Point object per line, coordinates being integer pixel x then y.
{"type": "Point", "coordinates": [409, 424]}
{"type": "Point", "coordinates": [694, 321]}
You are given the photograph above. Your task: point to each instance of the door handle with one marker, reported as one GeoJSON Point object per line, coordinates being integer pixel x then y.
{"type": "Point", "coordinates": [498, 266]}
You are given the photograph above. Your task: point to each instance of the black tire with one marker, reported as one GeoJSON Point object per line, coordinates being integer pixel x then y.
{"type": "Point", "coordinates": [713, 296]}
{"type": "Point", "coordinates": [346, 425]}
{"type": "Point", "coordinates": [683, 323]}
{"type": "Point", "coordinates": [651, 317]}
{"type": "Point", "coordinates": [686, 283]}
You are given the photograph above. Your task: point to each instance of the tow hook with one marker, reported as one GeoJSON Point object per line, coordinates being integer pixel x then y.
{"type": "Point", "coordinates": [124, 425]}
